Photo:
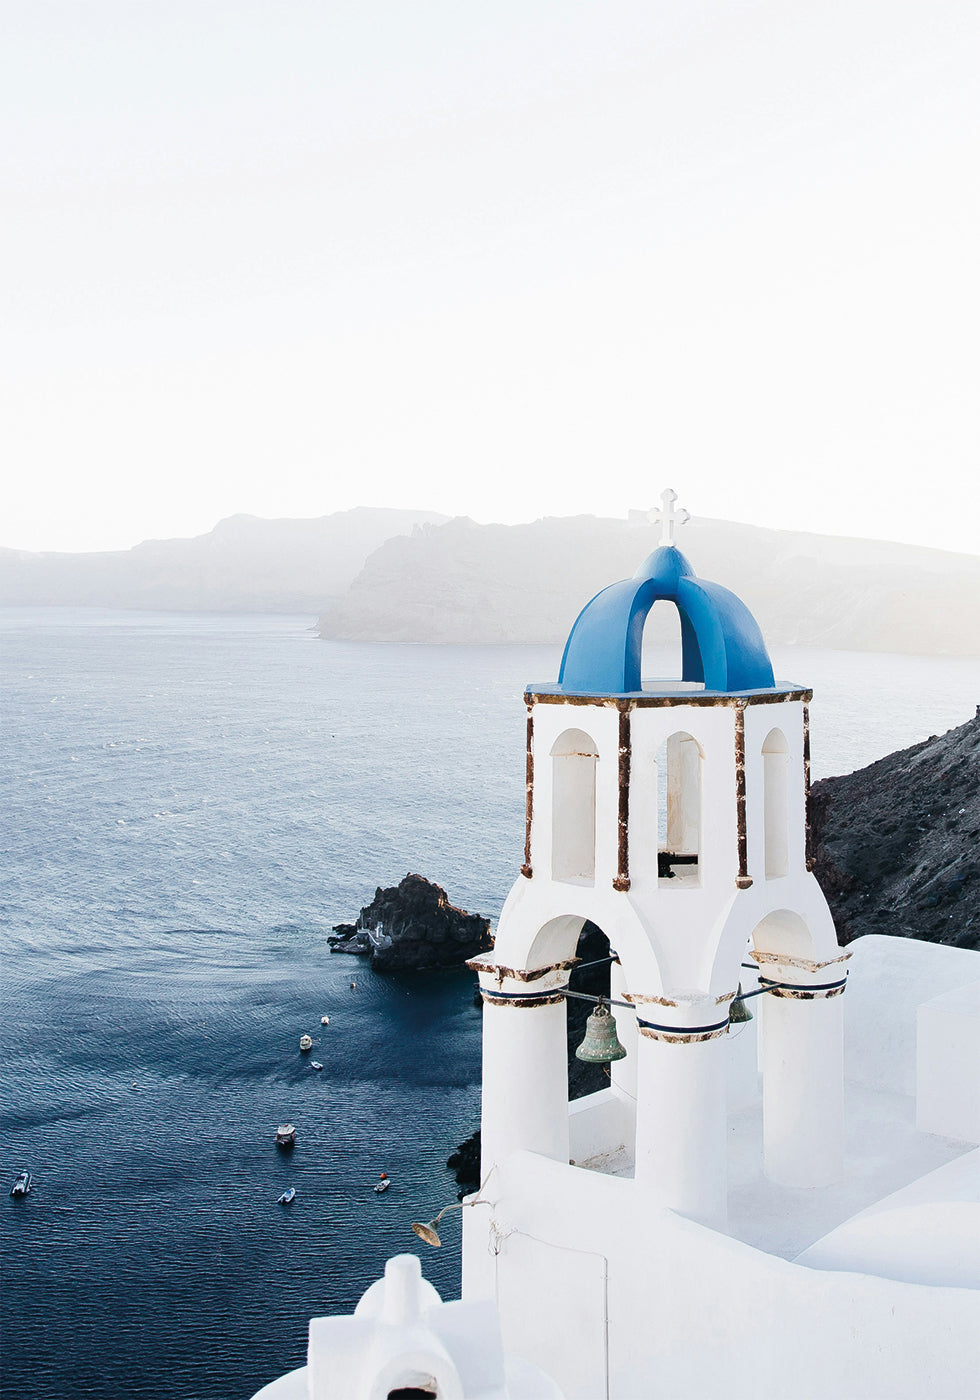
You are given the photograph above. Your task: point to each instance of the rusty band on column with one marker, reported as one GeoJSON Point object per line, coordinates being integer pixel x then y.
{"type": "Point", "coordinates": [682, 1035]}
{"type": "Point", "coordinates": [800, 991]}
{"type": "Point", "coordinates": [810, 860]}
{"type": "Point", "coordinates": [523, 999]}
{"type": "Point", "coordinates": [743, 879]}
{"type": "Point", "coordinates": [622, 880]}
{"type": "Point", "coordinates": [526, 869]}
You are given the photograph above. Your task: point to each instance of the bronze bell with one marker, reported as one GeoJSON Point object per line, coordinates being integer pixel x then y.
{"type": "Point", "coordinates": [601, 1044]}
{"type": "Point", "coordinates": [739, 1010]}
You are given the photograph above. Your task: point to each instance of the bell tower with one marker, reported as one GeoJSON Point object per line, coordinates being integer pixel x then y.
{"type": "Point", "coordinates": [672, 814]}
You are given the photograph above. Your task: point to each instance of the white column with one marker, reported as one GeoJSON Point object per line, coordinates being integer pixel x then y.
{"type": "Point", "coordinates": [681, 1115]}
{"type": "Point", "coordinates": [623, 1072]}
{"type": "Point", "coordinates": [525, 1071]}
{"type": "Point", "coordinates": [803, 1085]}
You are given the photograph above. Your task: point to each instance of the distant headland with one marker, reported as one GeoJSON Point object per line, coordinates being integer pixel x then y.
{"type": "Point", "coordinates": [381, 575]}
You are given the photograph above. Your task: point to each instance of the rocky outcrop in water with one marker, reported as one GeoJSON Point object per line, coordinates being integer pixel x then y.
{"type": "Point", "coordinates": [412, 926]}
{"type": "Point", "coordinates": [465, 1165]}
{"type": "Point", "coordinates": [896, 845]}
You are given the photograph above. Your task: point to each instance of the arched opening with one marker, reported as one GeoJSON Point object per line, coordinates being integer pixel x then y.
{"type": "Point", "coordinates": [592, 946]}
{"type": "Point", "coordinates": [573, 759]}
{"type": "Point", "coordinates": [775, 766]}
{"type": "Point", "coordinates": [679, 762]}
{"type": "Point", "coordinates": [661, 655]}
{"type": "Point", "coordinates": [670, 658]}
{"type": "Point", "coordinates": [783, 931]}
{"type": "Point", "coordinates": [601, 1094]}
{"type": "Point", "coordinates": [414, 1373]}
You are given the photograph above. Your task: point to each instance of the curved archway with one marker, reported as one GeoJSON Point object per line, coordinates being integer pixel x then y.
{"type": "Point", "coordinates": [775, 772]}
{"type": "Point", "coordinates": [679, 760]}
{"type": "Point", "coordinates": [421, 1372]}
{"type": "Point", "coordinates": [784, 931]}
{"type": "Point", "coordinates": [722, 643]}
{"type": "Point", "coordinates": [669, 650]}
{"type": "Point", "coordinates": [573, 763]}
{"type": "Point", "coordinates": [540, 929]}
{"type": "Point", "coordinates": [555, 941]}
{"type": "Point", "coordinates": [590, 976]}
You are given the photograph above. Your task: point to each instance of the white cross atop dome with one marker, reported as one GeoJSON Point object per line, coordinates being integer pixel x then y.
{"type": "Point", "coordinates": [668, 517]}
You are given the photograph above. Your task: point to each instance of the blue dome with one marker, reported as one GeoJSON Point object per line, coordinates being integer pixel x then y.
{"type": "Point", "coordinates": [721, 643]}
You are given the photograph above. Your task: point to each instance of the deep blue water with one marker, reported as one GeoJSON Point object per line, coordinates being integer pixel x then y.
{"type": "Point", "coordinates": [189, 805]}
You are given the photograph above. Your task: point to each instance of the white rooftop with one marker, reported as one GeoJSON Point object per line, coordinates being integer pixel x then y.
{"type": "Point", "coordinates": [886, 1153]}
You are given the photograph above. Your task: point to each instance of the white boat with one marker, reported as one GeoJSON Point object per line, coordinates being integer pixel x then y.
{"type": "Point", "coordinates": [305, 1043]}
{"type": "Point", "coordinates": [287, 1197]}
{"type": "Point", "coordinates": [324, 1020]}
{"type": "Point", "coordinates": [286, 1135]}
{"type": "Point", "coordinates": [315, 1064]}
{"type": "Point", "coordinates": [383, 1184]}
{"type": "Point", "coordinates": [22, 1185]}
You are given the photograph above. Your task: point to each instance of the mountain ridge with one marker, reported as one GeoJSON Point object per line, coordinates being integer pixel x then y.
{"type": "Point", "coordinates": [244, 564]}
{"type": "Point", "coordinates": [462, 582]}
{"type": "Point", "coordinates": [380, 575]}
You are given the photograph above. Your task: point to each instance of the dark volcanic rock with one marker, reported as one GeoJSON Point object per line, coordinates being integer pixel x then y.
{"type": "Point", "coordinates": [896, 845]}
{"type": "Point", "coordinates": [465, 1165]}
{"type": "Point", "coordinates": [412, 926]}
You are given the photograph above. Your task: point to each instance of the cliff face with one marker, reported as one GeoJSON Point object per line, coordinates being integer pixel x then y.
{"type": "Point", "coordinates": [460, 582]}
{"type": "Point", "coordinates": [897, 845]}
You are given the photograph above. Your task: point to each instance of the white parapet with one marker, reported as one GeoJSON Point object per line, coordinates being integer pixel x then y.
{"type": "Point", "coordinates": [402, 1336]}
{"type": "Point", "coordinates": [948, 1065]}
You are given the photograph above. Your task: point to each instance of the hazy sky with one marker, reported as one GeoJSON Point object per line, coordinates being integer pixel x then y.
{"type": "Point", "coordinates": [500, 259]}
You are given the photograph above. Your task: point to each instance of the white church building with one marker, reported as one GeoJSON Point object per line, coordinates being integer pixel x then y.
{"type": "Point", "coordinates": [778, 1207]}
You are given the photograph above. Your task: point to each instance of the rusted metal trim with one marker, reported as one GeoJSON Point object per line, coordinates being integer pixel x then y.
{"type": "Point", "coordinates": [644, 702]}
{"type": "Point", "coordinates": [799, 994]}
{"type": "Point", "coordinates": [682, 1035]}
{"type": "Point", "coordinates": [769, 984]}
{"type": "Point", "coordinates": [808, 835]}
{"type": "Point", "coordinates": [743, 839]}
{"type": "Point", "coordinates": [804, 964]}
{"type": "Point", "coordinates": [645, 999]}
{"type": "Point", "coordinates": [516, 999]}
{"type": "Point", "coordinates": [622, 880]}
{"type": "Point", "coordinates": [521, 974]}
{"type": "Point", "coordinates": [526, 869]}
{"type": "Point", "coordinates": [743, 882]}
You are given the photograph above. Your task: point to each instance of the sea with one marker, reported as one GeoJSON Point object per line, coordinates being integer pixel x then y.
{"type": "Point", "coordinates": [190, 803]}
